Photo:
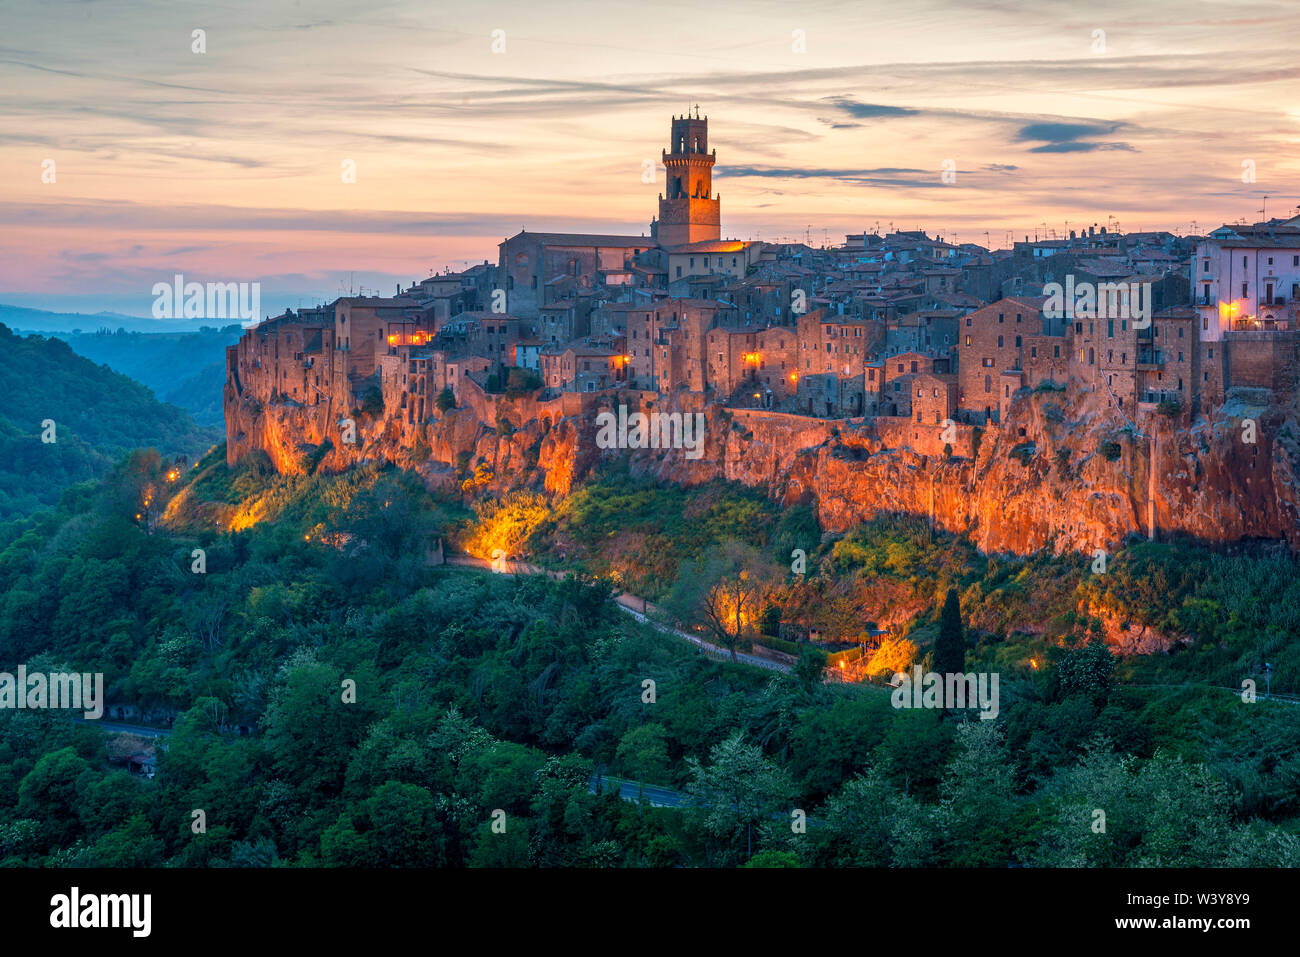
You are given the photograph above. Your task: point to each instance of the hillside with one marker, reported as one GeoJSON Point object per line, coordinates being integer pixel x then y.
{"type": "Point", "coordinates": [479, 693]}
{"type": "Point", "coordinates": [186, 369]}
{"type": "Point", "coordinates": [98, 414]}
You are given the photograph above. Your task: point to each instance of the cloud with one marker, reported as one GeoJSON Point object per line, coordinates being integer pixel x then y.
{"type": "Point", "coordinates": [1077, 147]}
{"type": "Point", "coordinates": [869, 111]}
{"type": "Point", "coordinates": [1062, 137]}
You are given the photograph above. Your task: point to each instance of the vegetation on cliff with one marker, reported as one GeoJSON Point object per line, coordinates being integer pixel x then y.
{"type": "Point", "coordinates": [478, 693]}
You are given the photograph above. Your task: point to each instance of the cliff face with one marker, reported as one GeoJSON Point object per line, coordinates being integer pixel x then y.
{"type": "Point", "coordinates": [1040, 481]}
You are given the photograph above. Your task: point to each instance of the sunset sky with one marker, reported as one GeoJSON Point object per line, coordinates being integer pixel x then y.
{"type": "Point", "coordinates": [226, 165]}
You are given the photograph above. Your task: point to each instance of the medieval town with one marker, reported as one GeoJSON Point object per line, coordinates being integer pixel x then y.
{"type": "Point", "coordinates": [933, 338]}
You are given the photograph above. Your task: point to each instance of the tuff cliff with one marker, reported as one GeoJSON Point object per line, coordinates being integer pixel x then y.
{"type": "Point", "coordinates": [1066, 471]}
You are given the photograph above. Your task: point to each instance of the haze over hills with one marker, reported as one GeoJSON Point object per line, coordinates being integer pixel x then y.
{"type": "Point", "coordinates": [23, 319]}
{"type": "Point", "coordinates": [99, 415]}
{"type": "Point", "coordinates": [187, 369]}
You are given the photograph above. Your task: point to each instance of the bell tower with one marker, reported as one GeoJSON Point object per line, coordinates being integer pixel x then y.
{"type": "Point", "coordinates": [689, 212]}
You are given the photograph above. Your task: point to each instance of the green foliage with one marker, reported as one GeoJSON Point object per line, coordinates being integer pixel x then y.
{"type": "Point", "coordinates": [478, 692]}
{"type": "Point", "coordinates": [950, 647]}
{"type": "Point", "coordinates": [372, 403]}
{"type": "Point", "coordinates": [99, 416]}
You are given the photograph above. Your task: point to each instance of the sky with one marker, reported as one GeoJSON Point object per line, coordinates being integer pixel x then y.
{"type": "Point", "coordinates": [466, 122]}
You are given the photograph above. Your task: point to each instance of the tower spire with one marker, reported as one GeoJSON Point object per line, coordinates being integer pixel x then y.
{"type": "Point", "coordinates": [689, 211]}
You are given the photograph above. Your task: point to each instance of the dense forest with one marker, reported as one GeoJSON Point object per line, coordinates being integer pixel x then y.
{"type": "Point", "coordinates": [98, 416]}
{"type": "Point", "coordinates": [334, 698]}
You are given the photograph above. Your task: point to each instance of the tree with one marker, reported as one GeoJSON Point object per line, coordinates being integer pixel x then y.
{"type": "Point", "coordinates": [872, 824]}
{"type": "Point", "coordinates": [51, 793]}
{"type": "Point", "coordinates": [446, 400]}
{"type": "Point", "coordinates": [643, 753]}
{"type": "Point", "coordinates": [770, 858]}
{"type": "Point", "coordinates": [950, 646]}
{"type": "Point", "coordinates": [977, 798]}
{"type": "Point", "coordinates": [894, 655]}
{"type": "Point", "coordinates": [1086, 671]}
{"type": "Point", "coordinates": [724, 591]}
{"type": "Point", "coordinates": [739, 789]}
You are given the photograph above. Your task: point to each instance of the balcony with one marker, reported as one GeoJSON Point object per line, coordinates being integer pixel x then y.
{"type": "Point", "coordinates": [1150, 359]}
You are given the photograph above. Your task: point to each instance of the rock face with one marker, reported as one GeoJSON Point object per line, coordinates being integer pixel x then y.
{"type": "Point", "coordinates": [1066, 471]}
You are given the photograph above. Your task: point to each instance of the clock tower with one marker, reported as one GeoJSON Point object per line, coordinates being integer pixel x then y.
{"type": "Point", "coordinates": [689, 212]}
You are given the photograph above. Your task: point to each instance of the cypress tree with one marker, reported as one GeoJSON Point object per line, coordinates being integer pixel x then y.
{"type": "Point", "coordinates": [950, 648]}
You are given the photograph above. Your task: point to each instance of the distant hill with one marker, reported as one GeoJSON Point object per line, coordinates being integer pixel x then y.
{"type": "Point", "coordinates": [98, 414]}
{"type": "Point", "coordinates": [23, 319]}
{"type": "Point", "coordinates": [186, 369]}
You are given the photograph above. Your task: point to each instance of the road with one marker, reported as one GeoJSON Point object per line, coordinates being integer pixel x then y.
{"type": "Point", "coordinates": [636, 606]}
{"type": "Point", "coordinates": [120, 727]}
{"type": "Point", "coordinates": [652, 794]}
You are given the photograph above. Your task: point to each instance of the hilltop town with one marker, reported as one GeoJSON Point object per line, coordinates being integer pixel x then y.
{"type": "Point", "coordinates": [1145, 381]}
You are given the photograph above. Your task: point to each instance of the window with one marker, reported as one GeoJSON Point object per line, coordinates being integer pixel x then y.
{"type": "Point", "coordinates": [988, 383]}
{"type": "Point", "coordinates": [1110, 328]}
{"type": "Point", "coordinates": [1033, 352]}
{"type": "Point", "coordinates": [1205, 266]}
{"type": "Point", "coordinates": [968, 323]}
{"type": "Point", "coordinates": [968, 340]}
{"type": "Point", "coordinates": [1001, 317]}
{"type": "Point", "coordinates": [1243, 262]}
{"type": "Point", "coordinates": [999, 342]}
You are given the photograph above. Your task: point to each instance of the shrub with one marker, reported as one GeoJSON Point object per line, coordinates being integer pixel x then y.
{"type": "Point", "coordinates": [1109, 450]}
{"type": "Point", "coordinates": [522, 381]}
{"type": "Point", "coordinates": [373, 402]}
{"type": "Point", "coordinates": [446, 400]}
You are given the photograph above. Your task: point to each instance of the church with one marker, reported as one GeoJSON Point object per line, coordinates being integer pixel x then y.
{"type": "Point", "coordinates": [539, 269]}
